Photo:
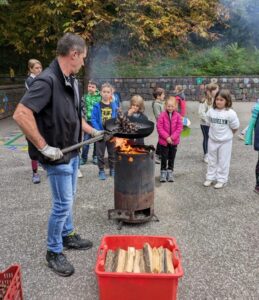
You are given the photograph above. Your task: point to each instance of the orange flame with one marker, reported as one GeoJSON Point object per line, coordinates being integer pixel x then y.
{"type": "Point", "coordinates": [124, 145]}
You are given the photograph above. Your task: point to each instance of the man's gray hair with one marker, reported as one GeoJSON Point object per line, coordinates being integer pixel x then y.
{"type": "Point", "coordinates": [70, 41]}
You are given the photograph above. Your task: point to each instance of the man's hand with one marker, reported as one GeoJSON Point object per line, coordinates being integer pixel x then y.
{"type": "Point", "coordinates": [95, 133]}
{"type": "Point", "coordinates": [51, 152]}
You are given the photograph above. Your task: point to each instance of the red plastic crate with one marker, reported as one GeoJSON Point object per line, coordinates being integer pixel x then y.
{"type": "Point", "coordinates": [11, 284]}
{"type": "Point", "coordinates": [141, 286]}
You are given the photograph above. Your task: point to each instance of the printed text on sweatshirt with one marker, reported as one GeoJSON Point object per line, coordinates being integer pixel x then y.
{"type": "Point", "coordinates": [221, 123]}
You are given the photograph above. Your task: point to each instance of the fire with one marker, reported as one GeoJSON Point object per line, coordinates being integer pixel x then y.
{"type": "Point", "coordinates": [125, 146]}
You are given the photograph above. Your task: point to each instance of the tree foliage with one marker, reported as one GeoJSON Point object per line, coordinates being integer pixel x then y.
{"type": "Point", "coordinates": [34, 26]}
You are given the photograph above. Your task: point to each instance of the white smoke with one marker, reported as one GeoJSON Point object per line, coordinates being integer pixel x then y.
{"type": "Point", "coordinates": [244, 15]}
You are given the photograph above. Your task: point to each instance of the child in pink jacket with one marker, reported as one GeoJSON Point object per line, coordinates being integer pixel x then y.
{"type": "Point", "coordinates": [169, 127]}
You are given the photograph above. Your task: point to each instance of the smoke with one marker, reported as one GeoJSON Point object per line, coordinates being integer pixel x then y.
{"type": "Point", "coordinates": [243, 23]}
{"type": "Point", "coordinates": [104, 63]}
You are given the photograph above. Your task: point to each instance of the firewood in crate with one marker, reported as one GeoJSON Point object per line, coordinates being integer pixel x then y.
{"type": "Point", "coordinates": [147, 253]}
{"type": "Point", "coordinates": [142, 262]}
{"type": "Point", "coordinates": [130, 259]}
{"type": "Point", "coordinates": [162, 259]}
{"type": "Point", "coordinates": [169, 268]}
{"type": "Point", "coordinates": [156, 261]}
{"type": "Point", "coordinates": [108, 267]}
{"type": "Point", "coordinates": [119, 260]}
{"type": "Point", "coordinates": [139, 266]}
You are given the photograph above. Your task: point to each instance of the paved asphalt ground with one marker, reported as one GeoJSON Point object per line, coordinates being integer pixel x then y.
{"type": "Point", "coordinates": [217, 230]}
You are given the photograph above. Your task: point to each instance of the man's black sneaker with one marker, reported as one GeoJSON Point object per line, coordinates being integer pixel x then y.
{"type": "Point", "coordinates": [59, 264]}
{"type": "Point", "coordinates": [74, 241]}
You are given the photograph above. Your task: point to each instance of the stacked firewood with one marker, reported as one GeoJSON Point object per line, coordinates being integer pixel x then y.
{"type": "Point", "coordinates": [125, 125]}
{"type": "Point", "coordinates": [146, 260]}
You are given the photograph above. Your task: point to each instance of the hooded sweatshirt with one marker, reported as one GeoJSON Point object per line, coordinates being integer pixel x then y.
{"type": "Point", "coordinates": [158, 107]}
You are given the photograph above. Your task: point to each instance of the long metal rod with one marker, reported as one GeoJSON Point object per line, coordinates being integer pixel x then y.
{"type": "Point", "coordinates": [79, 145]}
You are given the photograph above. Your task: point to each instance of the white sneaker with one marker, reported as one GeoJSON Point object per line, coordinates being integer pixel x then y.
{"type": "Point", "coordinates": [220, 185]}
{"type": "Point", "coordinates": [241, 136]}
{"type": "Point", "coordinates": [207, 183]}
{"type": "Point", "coordinates": [79, 174]}
{"type": "Point", "coordinates": [205, 159]}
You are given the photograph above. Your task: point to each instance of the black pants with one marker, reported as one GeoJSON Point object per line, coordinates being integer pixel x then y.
{"type": "Point", "coordinates": [257, 172]}
{"type": "Point", "coordinates": [205, 132]}
{"type": "Point", "coordinates": [158, 149]}
{"type": "Point", "coordinates": [167, 157]}
{"type": "Point", "coordinates": [100, 151]}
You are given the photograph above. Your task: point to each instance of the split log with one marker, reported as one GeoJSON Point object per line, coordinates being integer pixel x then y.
{"type": "Point", "coordinates": [130, 259]}
{"type": "Point", "coordinates": [141, 262]}
{"type": "Point", "coordinates": [147, 253]}
{"type": "Point", "coordinates": [162, 259]}
{"type": "Point", "coordinates": [119, 260]}
{"type": "Point", "coordinates": [139, 266]}
{"type": "Point", "coordinates": [169, 268]}
{"type": "Point", "coordinates": [155, 261]}
{"type": "Point", "coordinates": [109, 261]}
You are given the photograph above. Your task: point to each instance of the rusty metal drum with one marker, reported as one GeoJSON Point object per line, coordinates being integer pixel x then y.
{"type": "Point", "coordinates": [134, 185]}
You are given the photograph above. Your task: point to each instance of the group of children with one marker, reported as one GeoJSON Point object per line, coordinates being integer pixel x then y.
{"type": "Point", "coordinates": [169, 115]}
{"type": "Point", "coordinates": [99, 108]}
{"type": "Point", "coordinates": [218, 122]}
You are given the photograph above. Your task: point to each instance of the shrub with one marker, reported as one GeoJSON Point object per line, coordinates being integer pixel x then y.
{"type": "Point", "coordinates": [230, 60]}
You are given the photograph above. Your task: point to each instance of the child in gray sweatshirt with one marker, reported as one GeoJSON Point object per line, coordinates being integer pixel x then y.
{"type": "Point", "coordinates": [158, 107]}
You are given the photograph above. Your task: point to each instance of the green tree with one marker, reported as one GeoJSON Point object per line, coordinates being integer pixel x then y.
{"type": "Point", "coordinates": [26, 24]}
{"type": "Point", "coordinates": [128, 26]}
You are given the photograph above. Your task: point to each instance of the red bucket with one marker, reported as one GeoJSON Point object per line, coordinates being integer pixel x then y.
{"type": "Point", "coordinates": [132, 286]}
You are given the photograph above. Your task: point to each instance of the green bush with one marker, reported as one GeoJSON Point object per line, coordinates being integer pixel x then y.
{"type": "Point", "coordinates": [230, 60]}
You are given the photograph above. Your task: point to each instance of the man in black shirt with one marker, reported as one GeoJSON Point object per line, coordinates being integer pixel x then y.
{"type": "Point", "coordinates": [50, 116]}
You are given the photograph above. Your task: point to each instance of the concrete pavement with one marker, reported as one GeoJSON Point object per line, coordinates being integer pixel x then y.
{"type": "Point", "coordinates": [217, 230]}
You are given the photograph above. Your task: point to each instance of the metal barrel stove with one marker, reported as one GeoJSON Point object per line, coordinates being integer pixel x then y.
{"type": "Point", "coordinates": [134, 185]}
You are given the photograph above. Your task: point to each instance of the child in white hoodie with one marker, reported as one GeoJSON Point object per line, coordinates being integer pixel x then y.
{"type": "Point", "coordinates": [223, 122]}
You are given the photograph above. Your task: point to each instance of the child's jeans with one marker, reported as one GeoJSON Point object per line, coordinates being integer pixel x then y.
{"type": "Point", "coordinates": [205, 132]}
{"type": "Point", "coordinates": [168, 156]}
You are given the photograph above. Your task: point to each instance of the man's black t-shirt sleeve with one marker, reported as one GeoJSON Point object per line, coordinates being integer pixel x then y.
{"type": "Point", "coordinates": [38, 96]}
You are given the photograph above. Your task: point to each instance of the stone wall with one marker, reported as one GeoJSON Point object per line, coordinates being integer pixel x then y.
{"type": "Point", "coordinates": [242, 88]}
{"type": "Point", "coordinates": [10, 95]}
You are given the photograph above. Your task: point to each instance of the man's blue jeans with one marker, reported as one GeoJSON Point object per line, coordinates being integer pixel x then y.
{"type": "Point", "coordinates": [63, 181]}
